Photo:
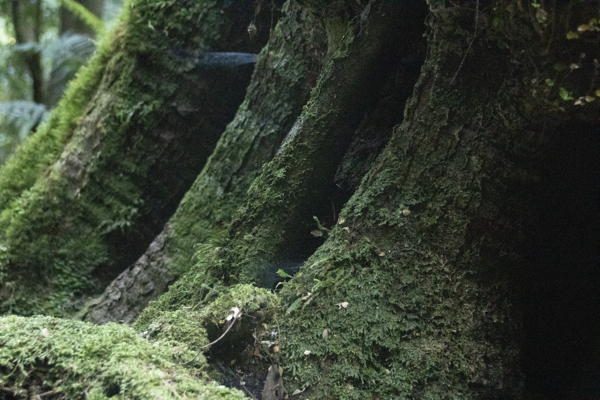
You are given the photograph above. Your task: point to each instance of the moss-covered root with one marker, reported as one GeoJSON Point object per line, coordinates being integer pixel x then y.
{"type": "Point", "coordinates": [413, 295]}
{"type": "Point", "coordinates": [148, 129]}
{"type": "Point", "coordinates": [285, 72]}
{"type": "Point", "coordinates": [44, 357]}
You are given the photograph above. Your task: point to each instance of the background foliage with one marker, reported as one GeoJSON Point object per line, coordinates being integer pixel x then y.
{"type": "Point", "coordinates": [59, 49]}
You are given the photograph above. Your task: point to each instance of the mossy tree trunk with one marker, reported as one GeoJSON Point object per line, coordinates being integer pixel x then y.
{"type": "Point", "coordinates": [285, 73]}
{"type": "Point", "coordinates": [159, 105]}
{"type": "Point", "coordinates": [417, 291]}
{"type": "Point", "coordinates": [414, 277]}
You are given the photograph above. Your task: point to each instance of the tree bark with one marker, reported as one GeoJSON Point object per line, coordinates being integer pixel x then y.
{"type": "Point", "coordinates": [273, 224]}
{"type": "Point", "coordinates": [418, 288]}
{"type": "Point", "coordinates": [153, 121]}
{"type": "Point", "coordinates": [417, 293]}
{"type": "Point", "coordinates": [286, 71]}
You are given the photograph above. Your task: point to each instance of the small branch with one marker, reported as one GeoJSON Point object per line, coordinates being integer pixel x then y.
{"type": "Point", "coordinates": [220, 337]}
{"type": "Point", "coordinates": [233, 317]}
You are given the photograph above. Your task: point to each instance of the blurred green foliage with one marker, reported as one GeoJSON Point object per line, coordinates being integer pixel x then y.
{"type": "Point", "coordinates": [59, 53]}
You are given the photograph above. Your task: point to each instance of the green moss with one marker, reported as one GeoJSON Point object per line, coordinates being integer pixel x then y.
{"type": "Point", "coordinates": [179, 327]}
{"type": "Point", "coordinates": [75, 360]}
{"type": "Point", "coordinates": [359, 325]}
{"type": "Point", "coordinates": [248, 298]}
{"type": "Point", "coordinates": [257, 307]}
{"type": "Point", "coordinates": [213, 307]}
{"type": "Point", "coordinates": [62, 222]}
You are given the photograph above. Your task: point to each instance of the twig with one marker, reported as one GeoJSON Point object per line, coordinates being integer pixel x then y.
{"type": "Point", "coordinates": [220, 337]}
{"type": "Point", "coordinates": [233, 318]}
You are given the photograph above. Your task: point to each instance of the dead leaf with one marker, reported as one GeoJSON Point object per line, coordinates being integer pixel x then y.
{"type": "Point", "coordinates": [316, 233]}
{"type": "Point", "coordinates": [343, 304]}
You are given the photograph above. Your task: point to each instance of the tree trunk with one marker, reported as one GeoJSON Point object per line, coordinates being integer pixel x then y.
{"type": "Point", "coordinates": [272, 226]}
{"type": "Point", "coordinates": [417, 293]}
{"type": "Point", "coordinates": [286, 70]}
{"type": "Point", "coordinates": [27, 24]}
{"type": "Point", "coordinates": [71, 23]}
{"type": "Point", "coordinates": [154, 119]}
{"type": "Point", "coordinates": [418, 287]}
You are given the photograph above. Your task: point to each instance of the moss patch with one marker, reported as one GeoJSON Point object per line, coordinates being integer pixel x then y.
{"type": "Point", "coordinates": [70, 359]}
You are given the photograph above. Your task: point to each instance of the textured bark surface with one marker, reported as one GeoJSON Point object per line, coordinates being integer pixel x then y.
{"type": "Point", "coordinates": [418, 287]}
{"type": "Point", "coordinates": [272, 227]}
{"type": "Point", "coordinates": [286, 72]}
{"type": "Point", "coordinates": [417, 291]}
{"type": "Point", "coordinates": [149, 129]}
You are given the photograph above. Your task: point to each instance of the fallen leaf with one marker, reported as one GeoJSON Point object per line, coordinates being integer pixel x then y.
{"type": "Point", "coordinates": [235, 314]}
{"type": "Point", "coordinates": [343, 304]}
{"type": "Point", "coordinates": [316, 233]}
{"type": "Point", "coordinates": [298, 391]}
{"type": "Point", "coordinates": [584, 28]}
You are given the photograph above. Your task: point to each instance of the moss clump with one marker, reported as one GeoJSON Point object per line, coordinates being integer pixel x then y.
{"type": "Point", "coordinates": [71, 359]}
{"type": "Point", "coordinates": [179, 327]}
{"type": "Point", "coordinates": [237, 321]}
{"type": "Point", "coordinates": [256, 305]}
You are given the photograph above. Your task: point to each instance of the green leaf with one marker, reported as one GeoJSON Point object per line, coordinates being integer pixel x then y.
{"type": "Point", "coordinates": [572, 35]}
{"type": "Point", "coordinates": [84, 14]}
{"type": "Point", "coordinates": [294, 306]}
{"type": "Point", "coordinates": [565, 94]}
{"type": "Point", "coordinates": [283, 274]}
